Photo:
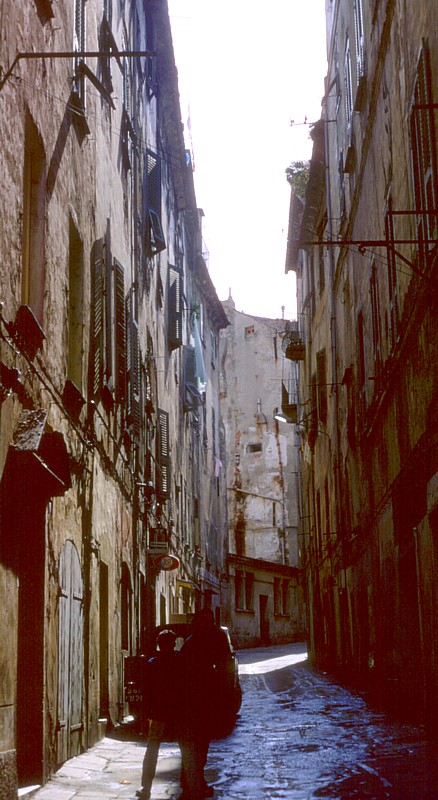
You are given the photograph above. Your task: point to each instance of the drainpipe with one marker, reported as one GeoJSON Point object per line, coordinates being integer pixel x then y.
{"type": "Point", "coordinates": [337, 442]}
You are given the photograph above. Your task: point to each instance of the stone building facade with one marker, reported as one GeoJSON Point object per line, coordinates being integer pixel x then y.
{"type": "Point", "coordinates": [265, 595]}
{"type": "Point", "coordinates": [113, 509]}
{"type": "Point", "coordinates": [364, 246]}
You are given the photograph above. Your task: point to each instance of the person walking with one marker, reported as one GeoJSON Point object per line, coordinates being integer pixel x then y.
{"type": "Point", "coordinates": [203, 654]}
{"type": "Point", "coordinates": [162, 698]}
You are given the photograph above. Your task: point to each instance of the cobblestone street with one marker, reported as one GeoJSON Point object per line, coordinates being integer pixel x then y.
{"type": "Point", "coordinates": [299, 736]}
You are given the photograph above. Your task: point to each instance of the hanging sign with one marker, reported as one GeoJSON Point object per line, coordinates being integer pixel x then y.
{"type": "Point", "coordinates": [166, 562]}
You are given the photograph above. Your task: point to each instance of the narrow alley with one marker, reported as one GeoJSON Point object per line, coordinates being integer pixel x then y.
{"type": "Point", "coordinates": [299, 736]}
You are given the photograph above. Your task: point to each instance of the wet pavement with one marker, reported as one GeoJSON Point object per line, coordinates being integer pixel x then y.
{"type": "Point", "coordinates": [299, 735]}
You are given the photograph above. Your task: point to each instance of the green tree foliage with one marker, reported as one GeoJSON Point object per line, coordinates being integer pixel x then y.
{"type": "Point", "coordinates": [297, 174]}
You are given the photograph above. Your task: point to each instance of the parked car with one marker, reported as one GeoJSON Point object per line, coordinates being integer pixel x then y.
{"type": "Point", "coordinates": [135, 669]}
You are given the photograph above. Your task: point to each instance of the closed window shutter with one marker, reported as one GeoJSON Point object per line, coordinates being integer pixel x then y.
{"type": "Point", "coordinates": [151, 61]}
{"type": "Point", "coordinates": [163, 460]}
{"type": "Point", "coordinates": [189, 366]}
{"type": "Point", "coordinates": [120, 331]}
{"type": "Point", "coordinates": [108, 307]}
{"type": "Point", "coordinates": [96, 339]}
{"type": "Point", "coordinates": [321, 377]}
{"type": "Point", "coordinates": [155, 242]}
{"type": "Point", "coordinates": [191, 396]}
{"type": "Point", "coordinates": [133, 374]}
{"type": "Point", "coordinates": [175, 308]}
{"type": "Point", "coordinates": [424, 157]}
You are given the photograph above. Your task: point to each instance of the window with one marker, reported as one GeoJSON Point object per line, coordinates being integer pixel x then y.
{"type": "Point", "coordinates": [120, 330]}
{"type": "Point", "coordinates": [327, 509]}
{"type": "Point", "coordinates": [108, 322]}
{"type": "Point", "coordinates": [337, 75]}
{"type": "Point", "coordinates": [321, 262]}
{"type": "Point", "coordinates": [281, 596]}
{"type": "Point", "coordinates": [44, 10]}
{"type": "Point", "coordinates": [249, 591]}
{"type": "Point", "coordinates": [249, 330]}
{"type": "Point", "coordinates": [81, 70]}
{"type": "Point", "coordinates": [213, 432]}
{"type": "Point", "coordinates": [97, 318]}
{"type": "Point", "coordinates": [318, 530]}
{"type": "Point", "coordinates": [359, 40]}
{"type": "Point", "coordinates": [348, 90]}
{"type": "Point", "coordinates": [154, 236]}
{"type": "Point", "coordinates": [133, 372]}
{"type": "Point", "coordinates": [254, 447]}
{"type": "Point", "coordinates": [213, 348]}
{"type": "Point", "coordinates": [75, 306]}
{"type": "Point", "coordinates": [126, 87]}
{"type": "Point", "coordinates": [126, 609]}
{"type": "Point", "coordinates": [34, 222]}
{"type": "Point", "coordinates": [151, 61]}
{"type": "Point", "coordinates": [277, 596]}
{"type": "Point", "coordinates": [392, 276]}
{"type": "Point", "coordinates": [107, 43]}
{"type": "Point", "coordinates": [239, 595]}
{"type": "Point", "coordinates": [175, 307]}
{"type": "Point", "coordinates": [321, 377]}
{"type": "Point", "coordinates": [361, 375]}
{"type": "Point", "coordinates": [244, 590]}
{"type": "Point", "coordinates": [313, 414]}
{"type": "Point", "coordinates": [423, 161]}
{"type": "Point", "coordinates": [163, 459]}
{"type": "Point", "coordinates": [375, 318]}
{"type": "Point", "coordinates": [191, 396]}
{"type": "Point", "coordinates": [79, 44]}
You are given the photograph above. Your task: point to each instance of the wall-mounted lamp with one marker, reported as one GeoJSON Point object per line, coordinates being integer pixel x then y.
{"type": "Point", "coordinates": [283, 416]}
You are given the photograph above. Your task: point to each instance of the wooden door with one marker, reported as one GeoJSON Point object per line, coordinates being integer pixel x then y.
{"type": "Point", "coordinates": [264, 619]}
{"type": "Point", "coordinates": [70, 653]}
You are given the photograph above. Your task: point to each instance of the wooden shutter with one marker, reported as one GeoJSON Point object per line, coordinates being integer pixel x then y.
{"type": "Point", "coordinates": [153, 229]}
{"type": "Point", "coordinates": [175, 308]}
{"type": "Point", "coordinates": [96, 322]}
{"type": "Point", "coordinates": [70, 646]}
{"type": "Point", "coordinates": [192, 397]}
{"type": "Point", "coordinates": [108, 306]}
{"type": "Point", "coordinates": [423, 144]}
{"type": "Point", "coordinates": [321, 377]}
{"type": "Point", "coordinates": [120, 331]}
{"type": "Point", "coordinates": [133, 372]}
{"type": "Point", "coordinates": [163, 460]}
{"type": "Point", "coordinates": [151, 61]}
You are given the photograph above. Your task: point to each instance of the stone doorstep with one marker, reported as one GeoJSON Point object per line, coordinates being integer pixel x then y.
{"type": "Point", "coordinates": [28, 791]}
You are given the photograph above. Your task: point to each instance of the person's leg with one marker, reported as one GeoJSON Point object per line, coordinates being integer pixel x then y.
{"type": "Point", "coordinates": [191, 770]}
{"type": "Point", "coordinates": [202, 747]}
{"type": "Point", "coordinates": [150, 758]}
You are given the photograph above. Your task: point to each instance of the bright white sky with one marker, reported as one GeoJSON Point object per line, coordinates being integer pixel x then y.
{"type": "Point", "coordinates": [246, 69]}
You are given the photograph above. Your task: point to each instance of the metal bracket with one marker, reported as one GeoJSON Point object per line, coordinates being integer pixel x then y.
{"type": "Point", "coordinates": [75, 54]}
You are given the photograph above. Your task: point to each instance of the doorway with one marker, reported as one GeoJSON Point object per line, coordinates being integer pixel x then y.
{"type": "Point", "coordinates": [70, 662]}
{"type": "Point", "coordinates": [264, 619]}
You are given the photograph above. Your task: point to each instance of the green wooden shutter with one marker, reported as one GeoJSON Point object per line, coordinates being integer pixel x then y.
{"type": "Point", "coordinates": [133, 373]}
{"type": "Point", "coordinates": [96, 322]}
{"type": "Point", "coordinates": [120, 331]}
{"type": "Point", "coordinates": [174, 308]}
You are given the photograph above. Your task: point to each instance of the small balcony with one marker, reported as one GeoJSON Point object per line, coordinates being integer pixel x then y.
{"type": "Point", "coordinates": [293, 346]}
{"type": "Point", "coordinates": [158, 542]}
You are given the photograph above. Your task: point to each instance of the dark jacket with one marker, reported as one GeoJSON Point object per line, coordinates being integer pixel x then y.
{"type": "Point", "coordinates": [203, 655]}
{"type": "Point", "coordinates": [163, 688]}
